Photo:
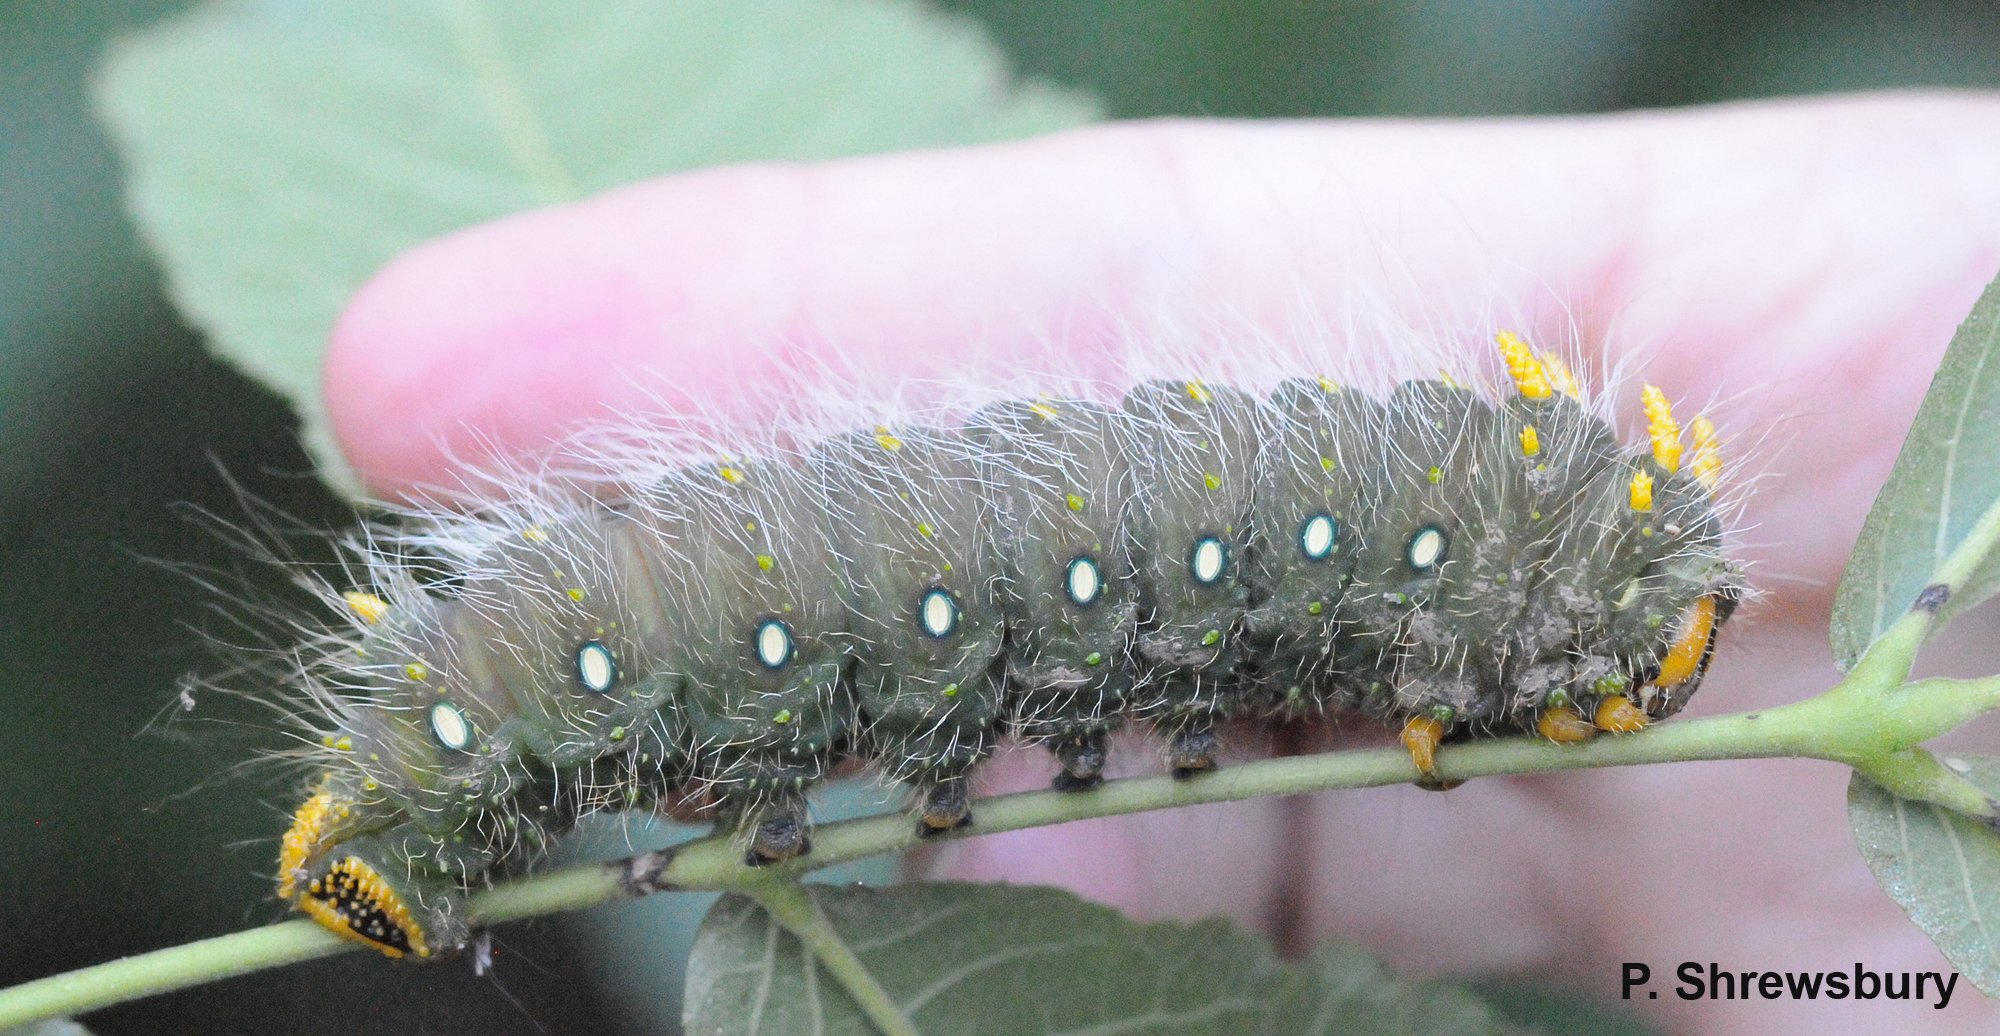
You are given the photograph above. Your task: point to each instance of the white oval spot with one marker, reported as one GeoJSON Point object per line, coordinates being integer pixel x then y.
{"type": "Point", "coordinates": [595, 668]}
{"type": "Point", "coordinates": [1316, 537]}
{"type": "Point", "coordinates": [1083, 581]}
{"type": "Point", "coordinates": [1426, 549]}
{"type": "Point", "coordinates": [938, 612]}
{"type": "Point", "coordinates": [450, 725]}
{"type": "Point", "coordinates": [774, 643]}
{"type": "Point", "coordinates": [1208, 560]}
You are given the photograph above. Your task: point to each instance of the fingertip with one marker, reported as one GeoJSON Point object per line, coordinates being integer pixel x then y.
{"type": "Point", "coordinates": [685, 290]}
{"type": "Point", "coordinates": [501, 336]}
{"type": "Point", "coordinates": [693, 292]}
{"type": "Point", "coordinates": [679, 292]}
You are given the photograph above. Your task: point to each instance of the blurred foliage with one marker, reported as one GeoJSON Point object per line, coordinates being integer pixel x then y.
{"type": "Point", "coordinates": [638, 951]}
{"type": "Point", "coordinates": [1941, 867]}
{"type": "Point", "coordinates": [278, 154]}
{"type": "Point", "coordinates": [119, 835]}
{"type": "Point", "coordinates": [1017, 960]}
{"type": "Point", "coordinates": [1944, 479]}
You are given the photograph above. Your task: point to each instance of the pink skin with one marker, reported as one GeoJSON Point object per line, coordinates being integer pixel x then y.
{"type": "Point", "coordinates": [1805, 262]}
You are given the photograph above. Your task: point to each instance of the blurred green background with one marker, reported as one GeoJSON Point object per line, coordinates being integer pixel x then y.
{"type": "Point", "coordinates": [119, 834]}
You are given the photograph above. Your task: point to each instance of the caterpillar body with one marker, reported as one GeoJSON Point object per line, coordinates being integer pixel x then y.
{"type": "Point", "coordinates": [726, 630]}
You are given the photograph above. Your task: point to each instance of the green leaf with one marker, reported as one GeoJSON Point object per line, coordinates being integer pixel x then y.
{"type": "Point", "coordinates": [1939, 865]}
{"type": "Point", "coordinates": [279, 153]}
{"type": "Point", "coordinates": [1946, 477]}
{"type": "Point", "coordinates": [637, 952]}
{"type": "Point", "coordinates": [1534, 1002]}
{"type": "Point", "coordinates": [1002, 960]}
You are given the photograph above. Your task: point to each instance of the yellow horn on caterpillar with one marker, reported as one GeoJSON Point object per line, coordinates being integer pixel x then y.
{"type": "Point", "coordinates": [1707, 463]}
{"type": "Point", "coordinates": [1527, 371]}
{"type": "Point", "coordinates": [1665, 431]}
{"type": "Point", "coordinates": [1559, 376]}
{"type": "Point", "coordinates": [1641, 491]}
{"type": "Point", "coordinates": [370, 607]}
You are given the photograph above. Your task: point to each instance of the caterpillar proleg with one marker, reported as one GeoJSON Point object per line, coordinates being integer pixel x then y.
{"type": "Point", "coordinates": [727, 628]}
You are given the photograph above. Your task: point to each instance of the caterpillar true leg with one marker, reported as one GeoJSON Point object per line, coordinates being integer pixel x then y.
{"type": "Point", "coordinates": [1082, 758]}
{"type": "Point", "coordinates": [946, 806]}
{"type": "Point", "coordinates": [1192, 750]}
{"type": "Point", "coordinates": [779, 838]}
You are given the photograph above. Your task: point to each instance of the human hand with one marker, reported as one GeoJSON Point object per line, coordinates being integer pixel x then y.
{"type": "Point", "coordinates": [1804, 261]}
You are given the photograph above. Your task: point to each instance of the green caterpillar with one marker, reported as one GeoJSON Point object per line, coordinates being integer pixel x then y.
{"type": "Point", "coordinates": [721, 634]}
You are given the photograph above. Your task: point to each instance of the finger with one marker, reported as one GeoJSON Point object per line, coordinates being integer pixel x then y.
{"type": "Point", "coordinates": [1812, 255]}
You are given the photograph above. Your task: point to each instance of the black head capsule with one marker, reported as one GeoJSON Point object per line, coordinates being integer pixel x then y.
{"type": "Point", "coordinates": [937, 613]}
{"type": "Point", "coordinates": [596, 670]}
{"type": "Point", "coordinates": [773, 643]}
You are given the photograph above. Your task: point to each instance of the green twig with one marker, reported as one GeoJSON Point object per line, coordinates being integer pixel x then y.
{"type": "Point", "coordinates": [793, 906]}
{"type": "Point", "coordinates": [1871, 721]}
{"type": "Point", "coordinates": [161, 971]}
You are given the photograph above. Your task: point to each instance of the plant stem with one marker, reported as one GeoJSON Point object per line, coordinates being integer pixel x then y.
{"type": "Point", "coordinates": [793, 905]}
{"type": "Point", "coordinates": [161, 971]}
{"type": "Point", "coordinates": [1871, 722]}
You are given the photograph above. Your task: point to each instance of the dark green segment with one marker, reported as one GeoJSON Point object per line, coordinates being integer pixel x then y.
{"type": "Point", "coordinates": [389, 902]}
{"type": "Point", "coordinates": [1194, 454]}
{"type": "Point", "coordinates": [1561, 519]}
{"type": "Point", "coordinates": [732, 547]}
{"type": "Point", "coordinates": [907, 519]}
{"type": "Point", "coordinates": [1058, 483]}
{"type": "Point", "coordinates": [1414, 555]}
{"type": "Point", "coordinates": [548, 589]}
{"type": "Point", "coordinates": [1321, 459]}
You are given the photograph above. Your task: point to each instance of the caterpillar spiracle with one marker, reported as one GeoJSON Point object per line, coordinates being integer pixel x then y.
{"type": "Point", "coordinates": [727, 628]}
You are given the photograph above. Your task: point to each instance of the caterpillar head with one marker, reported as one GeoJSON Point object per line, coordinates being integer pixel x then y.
{"type": "Point", "coordinates": [362, 887]}
{"type": "Point", "coordinates": [361, 890]}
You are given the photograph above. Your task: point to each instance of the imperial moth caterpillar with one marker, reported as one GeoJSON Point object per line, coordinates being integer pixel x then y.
{"type": "Point", "coordinates": [725, 629]}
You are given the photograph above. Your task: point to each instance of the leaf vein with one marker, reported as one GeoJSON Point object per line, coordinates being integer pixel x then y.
{"type": "Point", "coordinates": [521, 129]}
{"type": "Point", "coordinates": [1941, 545]}
{"type": "Point", "coordinates": [986, 963]}
{"type": "Point", "coordinates": [1965, 882]}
